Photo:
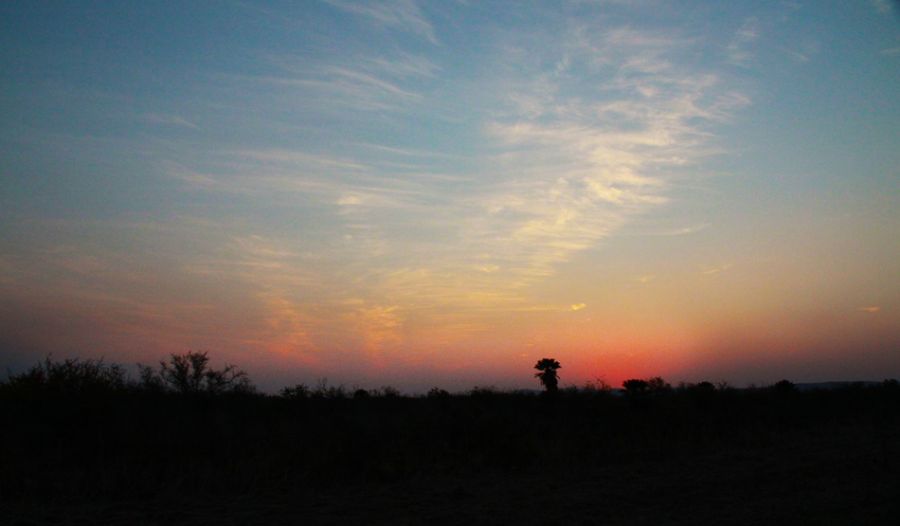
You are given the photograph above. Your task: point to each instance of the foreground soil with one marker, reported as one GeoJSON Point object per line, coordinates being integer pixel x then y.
{"type": "Point", "coordinates": [817, 459]}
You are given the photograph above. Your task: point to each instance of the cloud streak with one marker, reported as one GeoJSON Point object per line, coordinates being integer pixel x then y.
{"type": "Point", "coordinates": [739, 50]}
{"type": "Point", "coordinates": [405, 15]}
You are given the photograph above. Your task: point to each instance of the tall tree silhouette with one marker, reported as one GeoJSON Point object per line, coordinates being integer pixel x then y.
{"type": "Point", "coordinates": [547, 374]}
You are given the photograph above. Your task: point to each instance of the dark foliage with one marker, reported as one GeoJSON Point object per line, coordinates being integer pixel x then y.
{"type": "Point", "coordinates": [436, 393]}
{"type": "Point", "coordinates": [297, 392]}
{"type": "Point", "coordinates": [547, 374]}
{"type": "Point", "coordinates": [784, 387]}
{"type": "Point", "coordinates": [636, 387]}
{"type": "Point", "coordinates": [69, 377]}
{"type": "Point", "coordinates": [138, 441]}
{"type": "Point", "coordinates": [190, 373]}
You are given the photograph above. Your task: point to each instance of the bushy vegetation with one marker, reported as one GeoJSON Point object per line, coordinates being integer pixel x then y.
{"type": "Point", "coordinates": [84, 430]}
{"type": "Point", "coordinates": [191, 373]}
{"type": "Point", "coordinates": [70, 377]}
{"type": "Point", "coordinates": [188, 374]}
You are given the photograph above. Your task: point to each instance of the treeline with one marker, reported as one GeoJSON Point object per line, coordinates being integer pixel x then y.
{"type": "Point", "coordinates": [189, 373]}
{"type": "Point", "coordinates": [192, 374]}
{"type": "Point", "coordinates": [83, 429]}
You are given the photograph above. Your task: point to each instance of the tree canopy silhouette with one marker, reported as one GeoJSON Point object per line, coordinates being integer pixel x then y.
{"type": "Point", "coordinates": [548, 376]}
{"type": "Point", "coordinates": [635, 387]}
{"type": "Point", "coordinates": [191, 373]}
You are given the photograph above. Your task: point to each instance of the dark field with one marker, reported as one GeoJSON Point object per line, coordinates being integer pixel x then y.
{"type": "Point", "coordinates": [124, 454]}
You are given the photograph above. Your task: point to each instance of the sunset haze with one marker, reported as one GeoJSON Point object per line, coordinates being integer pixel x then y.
{"type": "Point", "coordinates": [425, 194]}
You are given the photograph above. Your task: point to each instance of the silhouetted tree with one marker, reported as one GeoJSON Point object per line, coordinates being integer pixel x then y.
{"type": "Point", "coordinates": [784, 387]}
{"type": "Point", "coordinates": [190, 373]}
{"type": "Point", "coordinates": [658, 386]}
{"type": "Point", "coordinates": [635, 387]}
{"type": "Point", "coordinates": [479, 392]}
{"type": "Point", "coordinates": [388, 391]}
{"type": "Point", "coordinates": [548, 375]}
{"type": "Point", "coordinates": [705, 387]}
{"type": "Point", "coordinates": [331, 392]}
{"type": "Point", "coordinates": [297, 392]}
{"type": "Point", "coordinates": [436, 393]}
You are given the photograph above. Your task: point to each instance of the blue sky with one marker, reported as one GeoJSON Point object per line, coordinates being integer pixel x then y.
{"type": "Point", "coordinates": [379, 191]}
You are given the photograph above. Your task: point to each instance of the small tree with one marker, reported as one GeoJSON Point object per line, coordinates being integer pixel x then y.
{"type": "Point", "coordinates": [704, 387]}
{"type": "Point", "coordinates": [657, 386]}
{"type": "Point", "coordinates": [436, 393]}
{"type": "Point", "coordinates": [548, 375]}
{"type": "Point", "coordinates": [635, 387]}
{"type": "Point", "coordinates": [190, 373]}
{"type": "Point", "coordinates": [784, 387]}
{"type": "Point", "coordinates": [297, 392]}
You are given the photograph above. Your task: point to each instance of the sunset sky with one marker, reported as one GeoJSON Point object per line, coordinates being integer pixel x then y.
{"type": "Point", "coordinates": [441, 193]}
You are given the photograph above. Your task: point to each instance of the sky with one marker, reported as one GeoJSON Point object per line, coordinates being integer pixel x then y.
{"type": "Point", "coordinates": [441, 193]}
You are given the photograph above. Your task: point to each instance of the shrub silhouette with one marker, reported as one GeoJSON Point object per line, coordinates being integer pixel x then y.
{"type": "Point", "coordinates": [388, 391]}
{"type": "Point", "coordinates": [190, 373]}
{"type": "Point", "coordinates": [635, 387]}
{"type": "Point", "coordinates": [548, 375]}
{"type": "Point", "coordinates": [436, 393]}
{"type": "Point", "coordinates": [705, 387]}
{"type": "Point", "coordinates": [784, 387]}
{"type": "Point", "coordinates": [658, 386]}
{"type": "Point", "coordinates": [597, 385]}
{"type": "Point", "coordinates": [297, 392]}
{"type": "Point", "coordinates": [331, 392]}
{"type": "Point", "coordinates": [69, 377]}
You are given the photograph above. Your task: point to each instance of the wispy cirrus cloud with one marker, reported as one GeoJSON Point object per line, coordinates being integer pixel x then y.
{"type": "Point", "coordinates": [383, 82]}
{"type": "Point", "coordinates": [355, 183]}
{"type": "Point", "coordinates": [739, 50]}
{"type": "Point", "coordinates": [168, 119]}
{"type": "Point", "coordinates": [405, 15]}
{"type": "Point", "coordinates": [570, 154]}
{"type": "Point", "coordinates": [579, 167]}
{"type": "Point", "coordinates": [712, 270]}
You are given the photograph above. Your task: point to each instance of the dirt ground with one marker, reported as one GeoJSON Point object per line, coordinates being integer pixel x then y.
{"type": "Point", "coordinates": [807, 480]}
